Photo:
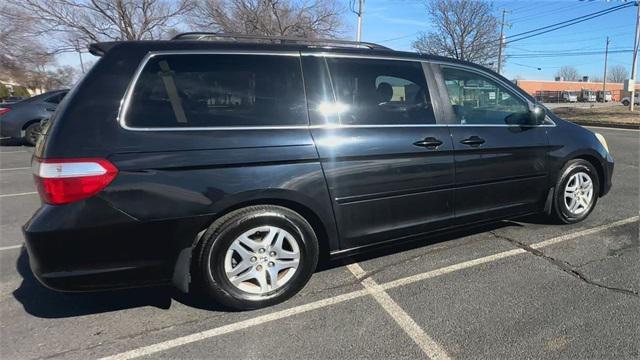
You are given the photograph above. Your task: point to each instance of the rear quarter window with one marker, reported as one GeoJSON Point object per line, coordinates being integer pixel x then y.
{"type": "Point", "coordinates": [218, 90]}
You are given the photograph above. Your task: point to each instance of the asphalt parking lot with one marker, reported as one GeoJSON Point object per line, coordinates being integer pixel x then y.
{"type": "Point", "coordinates": [513, 289]}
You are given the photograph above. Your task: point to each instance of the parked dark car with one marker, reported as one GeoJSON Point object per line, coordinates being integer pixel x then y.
{"type": "Point", "coordinates": [232, 166]}
{"type": "Point", "coordinates": [12, 100]}
{"type": "Point", "coordinates": [21, 120]}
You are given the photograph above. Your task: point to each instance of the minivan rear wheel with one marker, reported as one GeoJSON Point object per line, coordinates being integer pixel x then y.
{"type": "Point", "coordinates": [256, 257]}
{"type": "Point", "coordinates": [576, 192]}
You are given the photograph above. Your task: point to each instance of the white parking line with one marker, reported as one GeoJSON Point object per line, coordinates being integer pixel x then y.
{"type": "Point", "coordinates": [166, 345]}
{"type": "Point", "coordinates": [18, 168]}
{"type": "Point", "coordinates": [169, 344]}
{"type": "Point", "coordinates": [13, 152]}
{"type": "Point", "coordinates": [18, 194]}
{"type": "Point", "coordinates": [12, 247]}
{"type": "Point", "coordinates": [505, 254]}
{"type": "Point", "coordinates": [586, 232]}
{"type": "Point", "coordinates": [424, 341]}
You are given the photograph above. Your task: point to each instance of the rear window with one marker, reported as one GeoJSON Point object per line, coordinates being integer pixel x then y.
{"type": "Point", "coordinates": [55, 99]}
{"type": "Point", "coordinates": [213, 90]}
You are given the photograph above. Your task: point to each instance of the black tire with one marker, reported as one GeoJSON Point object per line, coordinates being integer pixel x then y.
{"type": "Point", "coordinates": [209, 255]}
{"type": "Point", "coordinates": [560, 211]}
{"type": "Point", "coordinates": [31, 134]}
{"type": "Point", "coordinates": [625, 102]}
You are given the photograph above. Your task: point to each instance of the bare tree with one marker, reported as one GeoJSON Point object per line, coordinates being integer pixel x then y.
{"type": "Point", "coordinates": [617, 74]}
{"type": "Point", "coordinates": [595, 78]}
{"type": "Point", "coordinates": [84, 21]}
{"type": "Point", "coordinates": [20, 52]}
{"type": "Point", "coordinates": [309, 18]}
{"type": "Point", "coordinates": [568, 73]}
{"type": "Point", "coordinates": [61, 77]}
{"type": "Point", "coordinates": [463, 29]}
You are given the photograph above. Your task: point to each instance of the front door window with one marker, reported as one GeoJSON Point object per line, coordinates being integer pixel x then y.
{"type": "Point", "coordinates": [478, 100]}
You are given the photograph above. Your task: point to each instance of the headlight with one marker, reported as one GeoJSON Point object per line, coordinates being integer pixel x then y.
{"type": "Point", "coordinates": [602, 141]}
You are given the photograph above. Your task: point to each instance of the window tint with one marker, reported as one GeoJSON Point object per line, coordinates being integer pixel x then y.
{"type": "Point", "coordinates": [480, 100]}
{"type": "Point", "coordinates": [55, 99]}
{"type": "Point", "coordinates": [218, 90]}
{"type": "Point", "coordinates": [371, 92]}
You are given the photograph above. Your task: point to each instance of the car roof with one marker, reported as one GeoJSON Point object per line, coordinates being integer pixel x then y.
{"type": "Point", "coordinates": [100, 49]}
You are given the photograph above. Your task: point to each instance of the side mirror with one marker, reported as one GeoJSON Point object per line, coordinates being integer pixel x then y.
{"type": "Point", "coordinates": [537, 115]}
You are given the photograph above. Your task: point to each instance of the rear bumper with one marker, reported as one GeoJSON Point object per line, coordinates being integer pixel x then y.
{"type": "Point", "coordinates": [89, 245]}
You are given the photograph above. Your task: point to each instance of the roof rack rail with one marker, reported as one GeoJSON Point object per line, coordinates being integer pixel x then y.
{"type": "Point", "coordinates": [212, 36]}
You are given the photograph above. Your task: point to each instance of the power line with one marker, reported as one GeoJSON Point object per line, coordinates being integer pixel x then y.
{"type": "Point", "coordinates": [561, 54]}
{"type": "Point", "coordinates": [578, 39]}
{"type": "Point", "coordinates": [566, 23]}
{"type": "Point", "coordinates": [528, 66]}
{"type": "Point", "coordinates": [399, 37]}
{"type": "Point", "coordinates": [544, 13]}
{"type": "Point", "coordinates": [528, 5]}
{"type": "Point", "coordinates": [565, 50]}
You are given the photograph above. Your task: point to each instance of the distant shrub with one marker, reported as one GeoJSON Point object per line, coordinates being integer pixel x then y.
{"type": "Point", "coordinates": [4, 92]}
{"type": "Point", "coordinates": [20, 91]}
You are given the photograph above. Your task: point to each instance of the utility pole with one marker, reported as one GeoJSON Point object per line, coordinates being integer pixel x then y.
{"type": "Point", "coordinates": [636, 43]}
{"type": "Point", "coordinates": [604, 79]}
{"type": "Point", "coordinates": [504, 11]}
{"type": "Point", "coordinates": [359, 12]}
{"type": "Point", "coordinates": [79, 55]}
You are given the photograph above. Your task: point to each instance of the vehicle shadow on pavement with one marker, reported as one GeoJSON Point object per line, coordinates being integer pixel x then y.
{"type": "Point", "coordinates": [42, 302]}
{"type": "Point", "coordinates": [11, 142]}
{"type": "Point", "coordinates": [417, 242]}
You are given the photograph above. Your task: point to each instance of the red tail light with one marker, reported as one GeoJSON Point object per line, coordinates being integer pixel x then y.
{"type": "Point", "coordinates": [62, 181]}
{"type": "Point", "coordinates": [4, 110]}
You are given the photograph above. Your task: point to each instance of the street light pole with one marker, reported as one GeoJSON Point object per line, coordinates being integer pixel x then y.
{"type": "Point", "coordinates": [360, 12]}
{"type": "Point", "coordinates": [604, 79]}
{"type": "Point", "coordinates": [634, 64]}
{"type": "Point", "coordinates": [80, 55]}
{"type": "Point", "coordinates": [501, 41]}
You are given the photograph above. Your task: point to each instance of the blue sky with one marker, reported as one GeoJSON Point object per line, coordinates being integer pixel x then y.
{"type": "Point", "coordinates": [396, 23]}
{"type": "Point", "coordinates": [401, 20]}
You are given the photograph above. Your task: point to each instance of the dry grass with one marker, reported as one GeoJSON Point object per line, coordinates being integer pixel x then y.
{"type": "Point", "coordinates": [616, 114]}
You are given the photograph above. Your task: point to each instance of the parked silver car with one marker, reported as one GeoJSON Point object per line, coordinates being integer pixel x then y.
{"type": "Point", "coordinates": [627, 100]}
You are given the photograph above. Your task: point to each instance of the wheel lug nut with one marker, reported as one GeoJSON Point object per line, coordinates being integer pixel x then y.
{"type": "Point", "coordinates": [254, 259]}
{"type": "Point", "coordinates": [261, 251]}
{"type": "Point", "coordinates": [259, 267]}
{"type": "Point", "coordinates": [271, 264]}
{"type": "Point", "coordinates": [273, 253]}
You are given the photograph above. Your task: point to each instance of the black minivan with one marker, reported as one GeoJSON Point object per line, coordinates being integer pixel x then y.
{"type": "Point", "coordinates": [231, 165]}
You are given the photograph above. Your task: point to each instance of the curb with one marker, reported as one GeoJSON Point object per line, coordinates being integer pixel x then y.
{"type": "Point", "coordinates": [609, 125]}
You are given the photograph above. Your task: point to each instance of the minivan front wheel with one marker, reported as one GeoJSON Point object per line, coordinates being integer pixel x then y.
{"type": "Point", "coordinates": [256, 257]}
{"type": "Point", "coordinates": [31, 134]}
{"type": "Point", "coordinates": [576, 191]}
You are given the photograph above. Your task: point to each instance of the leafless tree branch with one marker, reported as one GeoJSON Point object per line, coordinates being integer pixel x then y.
{"type": "Point", "coordinates": [617, 74]}
{"type": "Point", "coordinates": [568, 73]}
{"type": "Point", "coordinates": [463, 29]}
{"type": "Point", "coordinates": [308, 18]}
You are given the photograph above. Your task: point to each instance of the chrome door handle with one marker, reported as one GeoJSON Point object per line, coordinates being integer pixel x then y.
{"type": "Point", "coordinates": [473, 141]}
{"type": "Point", "coordinates": [429, 143]}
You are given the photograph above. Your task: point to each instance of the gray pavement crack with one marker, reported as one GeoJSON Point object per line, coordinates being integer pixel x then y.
{"type": "Point", "coordinates": [564, 266]}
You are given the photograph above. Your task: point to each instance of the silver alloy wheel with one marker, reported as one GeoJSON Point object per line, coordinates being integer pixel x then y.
{"type": "Point", "coordinates": [578, 193]}
{"type": "Point", "coordinates": [262, 259]}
